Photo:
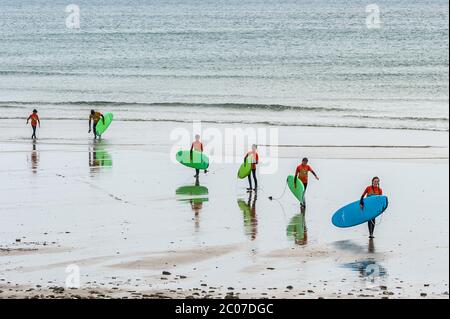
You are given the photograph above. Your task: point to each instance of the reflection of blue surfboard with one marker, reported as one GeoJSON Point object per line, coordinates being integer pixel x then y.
{"type": "Point", "coordinates": [352, 214]}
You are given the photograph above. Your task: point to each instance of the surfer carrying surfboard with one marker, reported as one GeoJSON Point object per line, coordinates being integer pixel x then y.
{"type": "Point", "coordinates": [34, 117]}
{"type": "Point", "coordinates": [95, 117]}
{"type": "Point", "coordinates": [302, 172]}
{"type": "Point", "coordinates": [371, 190]}
{"type": "Point", "coordinates": [253, 154]}
{"type": "Point", "coordinates": [197, 145]}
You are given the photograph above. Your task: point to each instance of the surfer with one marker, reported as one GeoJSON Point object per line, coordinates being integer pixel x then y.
{"type": "Point", "coordinates": [197, 145]}
{"type": "Point", "coordinates": [302, 172]}
{"type": "Point", "coordinates": [255, 160]}
{"type": "Point", "coordinates": [371, 190]}
{"type": "Point", "coordinates": [95, 117]}
{"type": "Point", "coordinates": [34, 117]}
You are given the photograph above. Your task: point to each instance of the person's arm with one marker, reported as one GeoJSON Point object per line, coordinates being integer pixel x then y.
{"type": "Point", "coordinates": [257, 159]}
{"type": "Point", "coordinates": [90, 121]}
{"type": "Point", "coordinates": [314, 173]}
{"type": "Point", "coordinates": [103, 119]}
{"type": "Point", "coordinates": [246, 156]}
{"type": "Point", "coordinates": [39, 121]}
{"type": "Point", "coordinates": [361, 201]}
{"type": "Point", "coordinates": [295, 177]}
{"type": "Point", "coordinates": [28, 119]}
{"type": "Point", "coordinates": [192, 151]}
{"type": "Point", "coordinates": [201, 149]}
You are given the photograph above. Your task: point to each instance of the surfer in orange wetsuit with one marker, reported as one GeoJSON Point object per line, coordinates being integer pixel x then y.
{"type": "Point", "coordinates": [372, 190]}
{"type": "Point", "coordinates": [95, 117]}
{"type": "Point", "coordinates": [34, 117]}
{"type": "Point", "coordinates": [197, 146]}
{"type": "Point", "coordinates": [302, 172]}
{"type": "Point", "coordinates": [255, 160]}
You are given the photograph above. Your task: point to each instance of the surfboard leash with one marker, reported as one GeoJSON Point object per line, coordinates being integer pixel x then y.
{"type": "Point", "coordinates": [281, 196]}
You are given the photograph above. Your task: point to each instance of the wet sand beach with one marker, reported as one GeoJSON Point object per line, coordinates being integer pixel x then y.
{"type": "Point", "coordinates": [136, 226]}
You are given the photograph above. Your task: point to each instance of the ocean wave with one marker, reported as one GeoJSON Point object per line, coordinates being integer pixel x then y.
{"type": "Point", "coordinates": [270, 107]}
{"type": "Point", "coordinates": [247, 122]}
{"type": "Point", "coordinates": [241, 106]}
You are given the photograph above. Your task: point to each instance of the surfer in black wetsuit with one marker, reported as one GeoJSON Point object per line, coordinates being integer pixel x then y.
{"type": "Point", "coordinates": [197, 145]}
{"type": "Point", "coordinates": [255, 160]}
{"type": "Point", "coordinates": [95, 117]}
{"type": "Point", "coordinates": [372, 190]}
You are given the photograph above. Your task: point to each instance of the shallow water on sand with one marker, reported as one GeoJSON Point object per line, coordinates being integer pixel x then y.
{"type": "Point", "coordinates": [120, 208]}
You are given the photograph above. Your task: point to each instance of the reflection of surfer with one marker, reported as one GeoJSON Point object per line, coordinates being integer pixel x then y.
{"type": "Point", "coordinates": [95, 117]}
{"type": "Point", "coordinates": [196, 206]}
{"type": "Point", "coordinates": [371, 247]}
{"type": "Point", "coordinates": [297, 228]}
{"type": "Point", "coordinates": [253, 217]}
{"type": "Point", "coordinates": [34, 159]}
{"type": "Point", "coordinates": [372, 190]}
{"type": "Point", "coordinates": [93, 161]}
{"type": "Point", "coordinates": [250, 218]}
{"type": "Point", "coordinates": [99, 157]}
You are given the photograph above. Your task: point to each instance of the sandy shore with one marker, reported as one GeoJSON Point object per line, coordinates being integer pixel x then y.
{"type": "Point", "coordinates": [115, 210]}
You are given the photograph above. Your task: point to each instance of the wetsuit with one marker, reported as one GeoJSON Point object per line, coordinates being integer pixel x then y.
{"type": "Point", "coordinates": [34, 122]}
{"type": "Point", "coordinates": [95, 118]}
{"type": "Point", "coordinates": [371, 191]}
{"type": "Point", "coordinates": [255, 161]}
{"type": "Point", "coordinates": [197, 146]}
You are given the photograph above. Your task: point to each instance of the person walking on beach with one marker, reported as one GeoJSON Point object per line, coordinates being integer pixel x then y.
{"type": "Point", "coordinates": [197, 145]}
{"type": "Point", "coordinates": [34, 118]}
{"type": "Point", "coordinates": [255, 160]}
{"type": "Point", "coordinates": [371, 190]}
{"type": "Point", "coordinates": [302, 172]}
{"type": "Point", "coordinates": [95, 117]}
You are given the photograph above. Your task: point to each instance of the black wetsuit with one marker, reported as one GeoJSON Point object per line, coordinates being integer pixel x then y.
{"type": "Point", "coordinates": [34, 131]}
{"type": "Point", "coordinates": [254, 178]}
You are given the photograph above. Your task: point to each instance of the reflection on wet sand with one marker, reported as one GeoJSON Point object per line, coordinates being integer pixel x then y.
{"type": "Point", "coordinates": [297, 228]}
{"type": "Point", "coordinates": [98, 156]}
{"type": "Point", "coordinates": [34, 159]}
{"type": "Point", "coordinates": [367, 268]}
{"type": "Point", "coordinates": [250, 218]}
{"type": "Point", "coordinates": [195, 196]}
{"type": "Point", "coordinates": [354, 247]}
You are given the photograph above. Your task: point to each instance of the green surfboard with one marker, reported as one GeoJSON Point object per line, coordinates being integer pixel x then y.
{"type": "Point", "coordinates": [198, 161]}
{"type": "Point", "coordinates": [245, 169]}
{"type": "Point", "coordinates": [298, 191]}
{"type": "Point", "coordinates": [101, 127]}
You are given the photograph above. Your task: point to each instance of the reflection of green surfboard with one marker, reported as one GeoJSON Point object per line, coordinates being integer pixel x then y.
{"type": "Point", "coordinates": [297, 191]}
{"type": "Point", "coordinates": [101, 127]}
{"type": "Point", "coordinates": [245, 208]}
{"type": "Point", "coordinates": [198, 161]}
{"type": "Point", "coordinates": [296, 227]}
{"type": "Point", "coordinates": [249, 220]}
{"type": "Point", "coordinates": [245, 169]}
{"type": "Point", "coordinates": [104, 158]}
{"type": "Point", "coordinates": [192, 190]}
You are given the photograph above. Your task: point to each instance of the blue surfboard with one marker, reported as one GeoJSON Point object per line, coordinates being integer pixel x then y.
{"type": "Point", "coordinates": [352, 214]}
